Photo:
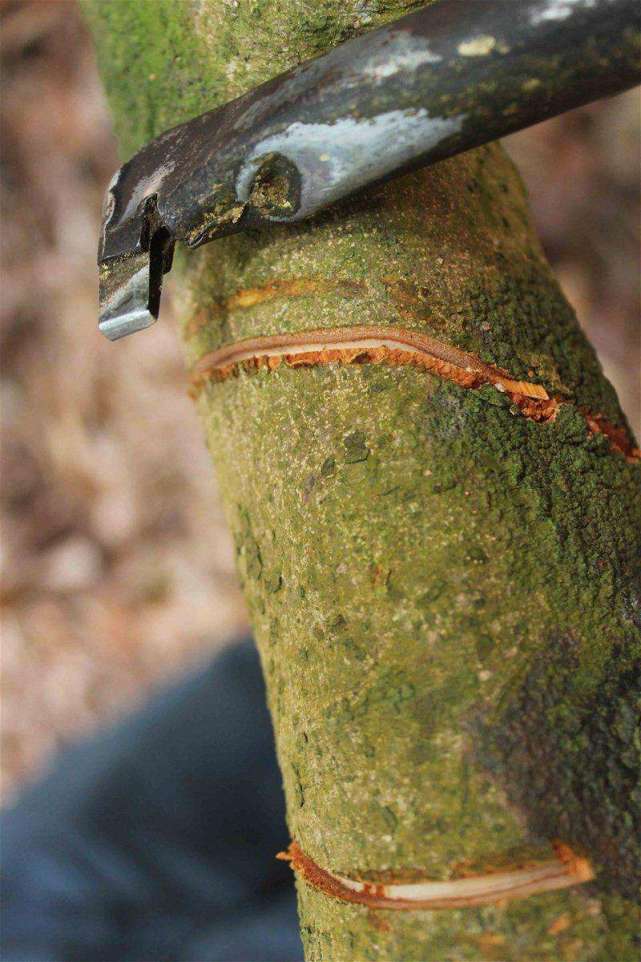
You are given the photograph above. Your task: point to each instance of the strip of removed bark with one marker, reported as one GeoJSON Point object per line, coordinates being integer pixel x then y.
{"type": "Point", "coordinates": [374, 345]}
{"type": "Point", "coordinates": [617, 436]}
{"type": "Point", "coordinates": [300, 287]}
{"type": "Point", "coordinates": [248, 297]}
{"type": "Point", "coordinates": [394, 346]}
{"type": "Point", "coordinates": [562, 871]}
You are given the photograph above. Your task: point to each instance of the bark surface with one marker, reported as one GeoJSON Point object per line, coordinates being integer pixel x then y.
{"type": "Point", "coordinates": [444, 588]}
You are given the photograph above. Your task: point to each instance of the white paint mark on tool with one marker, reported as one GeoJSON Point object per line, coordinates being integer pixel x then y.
{"type": "Point", "coordinates": [477, 46]}
{"type": "Point", "coordinates": [334, 159]}
{"type": "Point", "coordinates": [406, 55]}
{"type": "Point", "coordinates": [551, 10]}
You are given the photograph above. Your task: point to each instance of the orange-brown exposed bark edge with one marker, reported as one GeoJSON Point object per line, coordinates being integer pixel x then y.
{"type": "Point", "coordinates": [377, 345]}
{"type": "Point", "coordinates": [564, 870]}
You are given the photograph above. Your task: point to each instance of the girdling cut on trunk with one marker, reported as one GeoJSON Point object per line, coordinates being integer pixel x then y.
{"type": "Point", "coordinates": [396, 347]}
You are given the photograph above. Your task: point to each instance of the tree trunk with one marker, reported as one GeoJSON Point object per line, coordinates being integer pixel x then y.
{"type": "Point", "coordinates": [443, 577]}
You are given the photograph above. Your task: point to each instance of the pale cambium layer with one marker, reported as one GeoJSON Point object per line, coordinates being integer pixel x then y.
{"type": "Point", "coordinates": [517, 882]}
{"type": "Point", "coordinates": [395, 346]}
{"type": "Point", "coordinates": [366, 344]}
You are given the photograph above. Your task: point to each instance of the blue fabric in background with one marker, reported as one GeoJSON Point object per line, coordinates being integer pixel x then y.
{"type": "Point", "coordinates": [155, 840]}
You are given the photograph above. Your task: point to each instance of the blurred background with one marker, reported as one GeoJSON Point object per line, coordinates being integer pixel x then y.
{"type": "Point", "coordinates": [117, 566]}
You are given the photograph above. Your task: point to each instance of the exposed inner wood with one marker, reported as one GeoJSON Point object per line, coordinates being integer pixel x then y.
{"type": "Point", "coordinates": [561, 871]}
{"type": "Point", "coordinates": [353, 345]}
{"type": "Point", "coordinates": [393, 346]}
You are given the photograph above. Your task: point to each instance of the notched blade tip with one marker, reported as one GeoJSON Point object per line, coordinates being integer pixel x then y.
{"type": "Point", "coordinates": [120, 325]}
{"type": "Point", "coordinates": [129, 295]}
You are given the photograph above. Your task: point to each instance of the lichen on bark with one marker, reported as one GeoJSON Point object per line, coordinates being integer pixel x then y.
{"type": "Point", "coordinates": [445, 594]}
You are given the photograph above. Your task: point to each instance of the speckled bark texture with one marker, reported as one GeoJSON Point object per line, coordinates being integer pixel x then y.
{"type": "Point", "coordinates": [445, 594]}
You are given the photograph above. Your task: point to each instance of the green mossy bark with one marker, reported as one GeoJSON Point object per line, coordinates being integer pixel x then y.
{"type": "Point", "coordinates": [445, 595]}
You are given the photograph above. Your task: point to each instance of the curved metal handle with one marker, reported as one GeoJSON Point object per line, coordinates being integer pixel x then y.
{"type": "Point", "coordinates": [453, 75]}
